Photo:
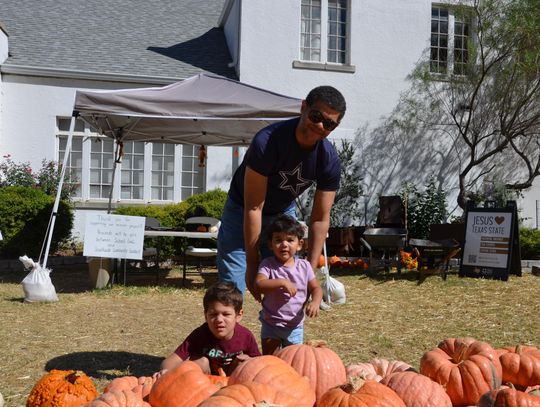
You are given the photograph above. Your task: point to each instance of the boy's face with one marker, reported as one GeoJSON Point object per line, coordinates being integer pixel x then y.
{"type": "Point", "coordinates": [222, 319]}
{"type": "Point", "coordinates": [284, 246]}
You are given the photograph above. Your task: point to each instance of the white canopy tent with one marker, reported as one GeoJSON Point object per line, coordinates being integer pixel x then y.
{"type": "Point", "coordinates": [201, 110]}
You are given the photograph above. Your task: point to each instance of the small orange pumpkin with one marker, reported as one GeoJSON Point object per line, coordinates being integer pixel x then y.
{"type": "Point", "coordinates": [144, 383]}
{"type": "Point", "coordinates": [66, 388]}
{"type": "Point", "coordinates": [322, 261]}
{"type": "Point", "coordinates": [201, 228]}
{"type": "Point", "coordinates": [334, 261]}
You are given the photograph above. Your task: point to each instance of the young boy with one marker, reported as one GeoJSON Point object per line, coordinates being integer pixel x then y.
{"type": "Point", "coordinates": [286, 283]}
{"type": "Point", "coordinates": [221, 342]}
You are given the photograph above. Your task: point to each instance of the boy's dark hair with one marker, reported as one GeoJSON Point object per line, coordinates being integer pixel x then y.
{"type": "Point", "coordinates": [330, 96]}
{"type": "Point", "coordinates": [225, 293]}
{"type": "Point", "coordinates": [285, 224]}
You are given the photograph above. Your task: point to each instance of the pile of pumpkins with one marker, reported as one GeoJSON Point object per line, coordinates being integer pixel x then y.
{"type": "Point", "coordinates": [458, 372]}
{"type": "Point", "coordinates": [336, 261]}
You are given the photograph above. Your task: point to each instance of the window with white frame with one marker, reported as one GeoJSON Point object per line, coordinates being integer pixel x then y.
{"type": "Point", "coordinates": [132, 173]}
{"type": "Point", "coordinates": [449, 40]}
{"type": "Point", "coordinates": [162, 171]}
{"type": "Point", "coordinates": [145, 173]}
{"type": "Point", "coordinates": [324, 31]}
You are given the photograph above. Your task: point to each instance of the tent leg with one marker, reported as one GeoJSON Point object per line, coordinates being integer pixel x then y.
{"type": "Point", "coordinates": [50, 230]}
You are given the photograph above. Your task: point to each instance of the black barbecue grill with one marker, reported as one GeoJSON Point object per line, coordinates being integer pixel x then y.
{"type": "Point", "coordinates": [435, 254]}
{"type": "Point", "coordinates": [385, 244]}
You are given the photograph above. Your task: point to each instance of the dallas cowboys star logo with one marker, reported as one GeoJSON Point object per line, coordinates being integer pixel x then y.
{"type": "Point", "coordinates": [293, 181]}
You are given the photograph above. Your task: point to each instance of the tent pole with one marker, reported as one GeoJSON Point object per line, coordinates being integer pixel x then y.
{"type": "Point", "coordinates": [117, 159]}
{"type": "Point", "coordinates": [59, 190]}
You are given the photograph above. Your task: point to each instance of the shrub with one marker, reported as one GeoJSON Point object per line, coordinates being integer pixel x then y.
{"type": "Point", "coordinates": [24, 216]}
{"type": "Point", "coordinates": [529, 240]}
{"type": "Point", "coordinates": [424, 208]}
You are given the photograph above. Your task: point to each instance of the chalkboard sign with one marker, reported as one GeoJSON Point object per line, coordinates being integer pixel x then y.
{"type": "Point", "coordinates": [114, 236]}
{"type": "Point", "coordinates": [491, 244]}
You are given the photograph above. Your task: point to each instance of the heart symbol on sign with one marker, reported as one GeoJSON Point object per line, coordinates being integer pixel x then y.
{"type": "Point", "coordinates": [499, 219]}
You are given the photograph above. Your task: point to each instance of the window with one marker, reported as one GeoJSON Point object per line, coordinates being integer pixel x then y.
{"type": "Point", "coordinates": [449, 38]}
{"type": "Point", "coordinates": [73, 174]}
{"type": "Point", "coordinates": [324, 42]}
{"type": "Point", "coordinates": [162, 171]}
{"type": "Point", "coordinates": [146, 171]}
{"type": "Point", "coordinates": [132, 177]}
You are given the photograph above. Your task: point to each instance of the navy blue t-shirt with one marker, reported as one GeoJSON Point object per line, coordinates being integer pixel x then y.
{"type": "Point", "coordinates": [275, 153]}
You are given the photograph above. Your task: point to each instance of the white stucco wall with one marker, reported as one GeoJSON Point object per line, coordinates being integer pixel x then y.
{"type": "Point", "coordinates": [387, 39]}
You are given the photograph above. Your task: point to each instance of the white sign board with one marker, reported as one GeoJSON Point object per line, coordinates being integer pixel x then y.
{"type": "Point", "coordinates": [114, 236]}
{"type": "Point", "coordinates": [488, 239]}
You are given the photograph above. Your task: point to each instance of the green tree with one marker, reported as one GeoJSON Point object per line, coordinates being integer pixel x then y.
{"type": "Point", "coordinates": [462, 129]}
{"type": "Point", "coordinates": [491, 112]}
{"type": "Point", "coordinates": [346, 209]}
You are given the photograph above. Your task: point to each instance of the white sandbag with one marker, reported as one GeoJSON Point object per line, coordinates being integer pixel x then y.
{"type": "Point", "coordinates": [333, 290]}
{"type": "Point", "coordinates": [37, 284]}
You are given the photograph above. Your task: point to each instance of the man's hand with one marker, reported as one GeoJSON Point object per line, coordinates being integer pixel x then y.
{"type": "Point", "coordinates": [253, 290]}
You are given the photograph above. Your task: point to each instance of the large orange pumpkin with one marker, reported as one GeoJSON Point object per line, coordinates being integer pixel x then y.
{"type": "Point", "coordinates": [66, 388]}
{"type": "Point", "coordinates": [520, 365]}
{"type": "Point", "coordinates": [417, 390]}
{"type": "Point", "coordinates": [376, 369]}
{"type": "Point", "coordinates": [273, 371]}
{"type": "Point", "coordinates": [508, 397]}
{"type": "Point", "coordinates": [467, 368]}
{"type": "Point", "coordinates": [249, 394]}
{"type": "Point", "coordinates": [184, 386]}
{"type": "Point", "coordinates": [360, 393]}
{"type": "Point", "coordinates": [119, 398]}
{"type": "Point", "coordinates": [320, 364]}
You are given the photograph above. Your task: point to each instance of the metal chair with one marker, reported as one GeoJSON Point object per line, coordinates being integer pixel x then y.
{"type": "Point", "coordinates": [199, 224]}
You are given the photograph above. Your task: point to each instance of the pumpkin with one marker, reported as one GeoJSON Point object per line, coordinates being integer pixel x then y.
{"type": "Point", "coordinates": [322, 261]}
{"type": "Point", "coordinates": [220, 379]}
{"type": "Point", "coordinates": [201, 228]}
{"type": "Point", "coordinates": [520, 365]}
{"type": "Point", "coordinates": [417, 390]}
{"type": "Point", "coordinates": [66, 388]}
{"type": "Point", "coordinates": [131, 383]}
{"type": "Point", "coordinates": [320, 364]}
{"type": "Point", "coordinates": [508, 397]}
{"type": "Point", "coordinates": [119, 398]}
{"type": "Point", "coordinates": [376, 369]}
{"type": "Point", "coordinates": [361, 393]}
{"type": "Point", "coordinates": [467, 368]}
{"type": "Point", "coordinates": [184, 386]}
{"type": "Point", "coordinates": [334, 261]}
{"type": "Point", "coordinates": [249, 394]}
{"type": "Point", "coordinates": [271, 370]}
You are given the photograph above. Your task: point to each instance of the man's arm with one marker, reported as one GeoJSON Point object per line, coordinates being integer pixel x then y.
{"type": "Point", "coordinates": [319, 224]}
{"type": "Point", "coordinates": [254, 196]}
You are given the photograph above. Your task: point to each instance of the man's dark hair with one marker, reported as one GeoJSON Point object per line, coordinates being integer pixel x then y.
{"type": "Point", "coordinates": [330, 96]}
{"type": "Point", "coordinates": [285, 224]}
{"type": "Point", "coordinates": [225, 293]}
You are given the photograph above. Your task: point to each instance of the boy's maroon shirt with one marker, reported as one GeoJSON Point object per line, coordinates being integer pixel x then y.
{"type": "Point", "coordinates": [220, 352]}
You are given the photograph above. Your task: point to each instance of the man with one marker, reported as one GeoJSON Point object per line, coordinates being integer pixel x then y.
{"type": "Point", "coordinates": [283, 160]}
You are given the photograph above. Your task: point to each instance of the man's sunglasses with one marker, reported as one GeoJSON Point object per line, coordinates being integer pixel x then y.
{"type": "Point", "coordinates": [316, 117]}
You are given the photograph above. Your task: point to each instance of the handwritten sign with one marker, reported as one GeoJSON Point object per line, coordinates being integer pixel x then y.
{"type": "Point", "coordinates": [114, 236]}
{"type": "Point", "coordinates": [489, 242]}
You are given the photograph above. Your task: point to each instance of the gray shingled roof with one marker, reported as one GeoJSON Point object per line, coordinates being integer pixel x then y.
{"type": "Point", "coordinates": [157, 38]}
